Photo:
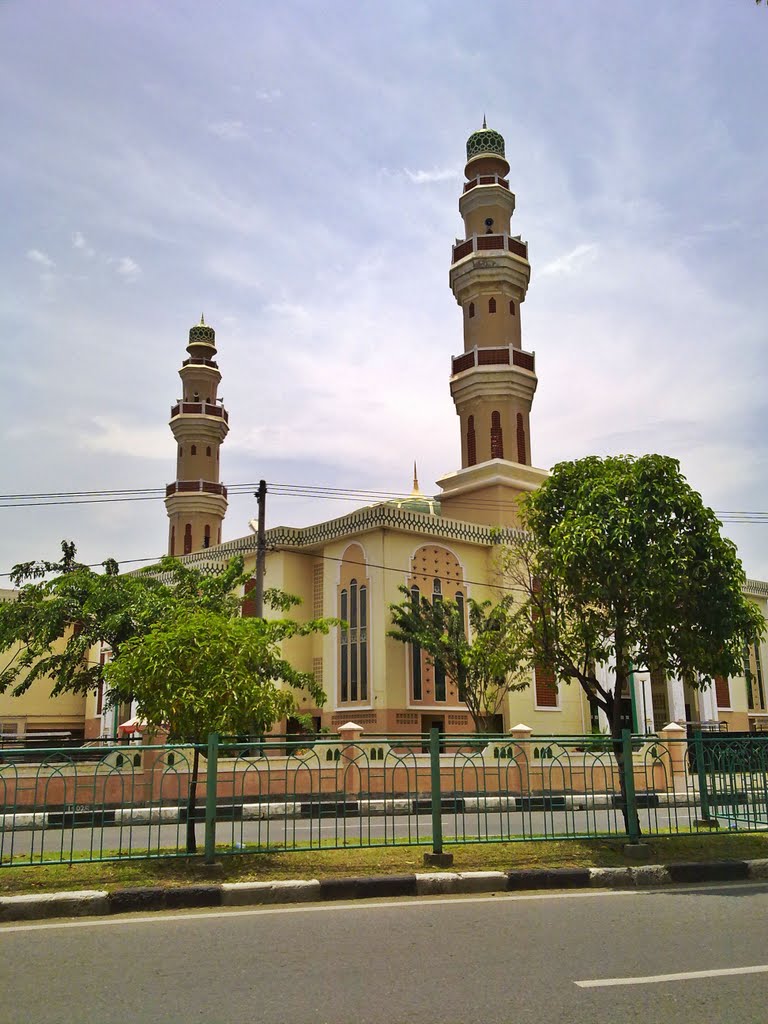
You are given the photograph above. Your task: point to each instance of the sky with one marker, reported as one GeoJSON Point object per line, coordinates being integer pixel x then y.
{"type": "Point", "coordinates": [292, 170]}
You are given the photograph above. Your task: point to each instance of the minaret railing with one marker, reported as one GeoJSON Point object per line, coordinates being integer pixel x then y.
{"type": "Point", "coordinates": [486, 243]}
{"type": "Point", "coordinates": [504, 355]}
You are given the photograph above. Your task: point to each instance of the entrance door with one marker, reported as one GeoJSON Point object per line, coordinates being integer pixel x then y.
{"type": "Point", "coordinates": [429, 722]}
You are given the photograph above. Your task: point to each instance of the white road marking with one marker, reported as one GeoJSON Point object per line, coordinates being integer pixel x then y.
{"type": "Point", "coordinates": [655, 979]}
{"type": "Point", "coordinates": [401, 902]}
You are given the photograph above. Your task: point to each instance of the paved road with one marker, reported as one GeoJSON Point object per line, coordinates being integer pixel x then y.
{"type": "Point", "coordinates": [303, 831]}
{"type": "Point", "coordinates": [514, 958]}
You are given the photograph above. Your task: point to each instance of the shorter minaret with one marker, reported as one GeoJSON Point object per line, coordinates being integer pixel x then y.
{"type": "Point", "coordinates": [196, 501]}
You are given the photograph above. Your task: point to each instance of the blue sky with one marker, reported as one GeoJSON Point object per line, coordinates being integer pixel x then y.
{"type": "Point", "coordinates": [293, 170]}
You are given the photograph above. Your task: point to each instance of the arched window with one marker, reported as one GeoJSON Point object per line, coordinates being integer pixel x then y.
{"type": "Point", "coordinates": [416, 651]}
{"type": "Point", "coordinates": [491, 305]}
{"type": "Point", "coordinates": [497, 439]}
{"type": "Point", "coordinates": [187, 538]}
{"type": "Point", "coordinates": [207, 536]}
{"type": "Point", "coordinates": [353, 609]}
{"type": "Point", "coordinates": [181, 451]}
{"type": "Point", "coordinates": [521, 439]}
{"type": "Point", "coordinates": [363, 598]}
{"type": "Point", "coordinates": [512, 311]}
{"type": "Point", "coordinates": [440, 692]}
{"type": "Point", "coordinates": [173, 540]}
{"type": "Point", "coordinates": [471, 443]}
{"type": "Point", "coordinates": [208, 450]}
{"type": "Point", "coordinates": [471, 310]}
{"type": "Point", "coordinates": [345, 646]}
{"type": "Point", "coordinates": [193, 450]}
{"type": "Point", "coordinates": [218, 536]}
{"type": "Point", "coordinates": [459, 598]}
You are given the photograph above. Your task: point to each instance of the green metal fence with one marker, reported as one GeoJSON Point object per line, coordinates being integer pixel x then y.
{"type": "Point", "coordinates": [297, 793]}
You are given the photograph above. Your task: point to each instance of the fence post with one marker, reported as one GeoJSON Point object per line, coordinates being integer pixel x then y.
{"type": "Point", "coordinates": [436, 857]}
{"type": "Point", "coordinates": [629, 786]}
{"type": "Point", "coordinates": [701, 772]}
{"type": "Point", "coordinates": [211, 778]}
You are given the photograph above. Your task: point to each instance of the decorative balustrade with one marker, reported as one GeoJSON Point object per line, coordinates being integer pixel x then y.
{"type": "Point", "coordinates": [204, 486]}
{"type": "Point", "coordinates": [490, 243]}
{"type": "Point", "coordinates": [487, 179]}
{"type": "Point", "coordinates": [196, 361]}
{"type": "Point", "coordinates": [204, 408]}
{"type": "Point", "coordinates": [504, 356]}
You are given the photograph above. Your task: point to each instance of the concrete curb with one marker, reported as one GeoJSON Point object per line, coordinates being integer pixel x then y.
{"type": "Point", "coordinates": [89, 903]}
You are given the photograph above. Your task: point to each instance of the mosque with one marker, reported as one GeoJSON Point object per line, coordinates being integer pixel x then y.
{"type": "Point", "coordinates": [353, 567]}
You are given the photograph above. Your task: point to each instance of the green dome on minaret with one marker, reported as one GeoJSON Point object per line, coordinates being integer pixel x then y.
{"type": "Point", "coordinates": [485, 141]}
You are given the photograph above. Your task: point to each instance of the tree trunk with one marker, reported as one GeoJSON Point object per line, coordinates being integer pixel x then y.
{"type": "Point", "coordinates": [618, 753]}
{"type": "Point", "coordinates": [191, 802]}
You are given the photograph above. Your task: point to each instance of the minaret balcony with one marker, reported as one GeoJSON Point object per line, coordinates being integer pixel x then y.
{"type": "Point", "coordinates": [200, 409]}
{"type": "Point", "coordinates": [487, 179]}
{"type": "Point", "coordinates": [198, 361]}
{"type": "Point", "coordinates": [504, 356]}
{"type": "Point", "coordinates": [490, 243]}
{"type": "Point", "coordinates": [195, 486]}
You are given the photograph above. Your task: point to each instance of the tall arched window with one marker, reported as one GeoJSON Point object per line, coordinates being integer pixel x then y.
{"type": "Point", "coordinates": [173, 540]}
{"type": "Point", "coordinates": [497, 439]}
{"type": "Point", "coordinates": [416, 651]}
{"type": "Point", "coordinates": [491, 305]}
{"type": "Point", "coordinates": [521, 440]}
{"type": "Point", "coordinates": [512, 311]}
{"type": "Point", "coordinates": [471, 443]}
{"type": "Point", "coordinates": [208, 450]}
{"type": "Point", "coordinates": [459, 599]}
{"type": "Point", "coordinates": [353, 640]}
{"type": "Point", "coordinates": [207, 536]}
{"type": "Point", "coordinates": [188, 538]}
{"type": "Point", "coordinates": [471, 310]}
{"type": "Point", "coordinates": [440, 694]}
{"type": "Point", "coordinates": [193, 450]}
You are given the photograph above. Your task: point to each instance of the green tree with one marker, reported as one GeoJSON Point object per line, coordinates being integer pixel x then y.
{"type": "Point", "coordinates": [205, 672]}
{"type": "Point", "coordinates": [485, 665]}
{"type": "Point", "coordinates": [65, 607]}
{"type": "Point", "coordinates": [623, 565]}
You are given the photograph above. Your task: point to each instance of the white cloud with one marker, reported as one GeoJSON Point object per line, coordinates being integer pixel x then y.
{"type": "Point", "coordinates": [79, 242]}
{"type": "Point", "coordinates": [112, 436]}
{"type": "Point", "coordinates": [267, 95]}
{"type": "Point", "coordinates": [127, 268]}
{"type": "Point", "coordinates": [428, 177]}
{"type": "Point", "coordinates": [232, 131]}
{"type": "Point", "coordinates": [41, 258]}
{"type": "Point", "coordinates": [572, 262]}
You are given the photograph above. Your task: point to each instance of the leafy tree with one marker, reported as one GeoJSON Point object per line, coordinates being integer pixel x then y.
{"type": "Point", "coordinates": [624, 565]}
{"type": "Point", "coordinates": [205, 672]}
{"type": "Point", "coordinates": [64, 608]}
{"type": "Point", "coordinates": [484, 665]}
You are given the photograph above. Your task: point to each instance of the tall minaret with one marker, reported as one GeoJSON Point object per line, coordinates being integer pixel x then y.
{"type": "Point", "coordinates": [196, 501]}
{"type": "Point", "coordinates": [494, 380]}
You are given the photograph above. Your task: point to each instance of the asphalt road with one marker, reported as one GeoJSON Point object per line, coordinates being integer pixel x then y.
{"type": "Point", "coordinates": [303, 831]}
{"type": "Point", "coordinates": [685, 955]}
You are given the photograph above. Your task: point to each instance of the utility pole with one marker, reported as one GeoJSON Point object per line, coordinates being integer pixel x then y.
{"type": "Point", "coordinates": [261, 549]}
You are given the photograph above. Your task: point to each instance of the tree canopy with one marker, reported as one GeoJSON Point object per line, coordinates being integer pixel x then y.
{"type": "Point", "coordinates": [623, 565]}
{"type": "Point", "coordinates": [63, 608]}
{"type": "Point", "coordinates": [485, 665]}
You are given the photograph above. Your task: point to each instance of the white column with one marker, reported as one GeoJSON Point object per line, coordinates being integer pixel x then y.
{"type": "Point", "coordinates": [644, 702]}
{"type": "Point", "coordinates": [676, 700]}
{"type": "Point", "coordinates": [708, 704]}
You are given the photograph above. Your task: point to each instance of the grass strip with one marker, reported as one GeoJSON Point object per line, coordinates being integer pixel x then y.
{"type": "Point", "coordinates": [378, 860]}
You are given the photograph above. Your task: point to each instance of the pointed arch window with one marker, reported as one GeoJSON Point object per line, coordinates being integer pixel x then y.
{"type": "Point", "coordinates": [193, 450]}
{"type": "Point", "coordinates": [173, 540]}
{"type": "Point", "coordinates": [471, 442]}
{"type": "Point", "coordinates": [208, 450]}
{"type": "Point", "coordinates": [345, 646]}
{"type": "Point", "coordinates": [512, 311]}
{"type": "Point", "coordinates": [207, 536]}
{"type": "Point", "coordinates": [353, 650]}
{"type": "Point", "coordinates": [491, 305]}
{"type": "Point", "coordinates": [188, 538]}
{"type": "Point", "coordinates": [521, 457]}
{"type": "Point", "coordinates": [471, 310]}
{"type": "Point", "coordinates": [459, 599]}
{"type": "Point", "coordinates": [497, 438]}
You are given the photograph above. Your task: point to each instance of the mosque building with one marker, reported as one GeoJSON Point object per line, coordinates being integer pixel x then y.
{"type": "Point", "coordinates": [353, 567]}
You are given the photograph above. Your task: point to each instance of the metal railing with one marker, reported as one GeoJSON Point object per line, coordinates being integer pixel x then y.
{"type": "Point", "coordinates": [296, 793]}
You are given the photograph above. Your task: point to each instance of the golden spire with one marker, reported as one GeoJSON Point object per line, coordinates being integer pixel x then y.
{"type": "Point", "coordinates": [415, 480]}
{"type": "Point", "coordinates": [484, 122]}
{"type": "Point", "coordinates": [202, 320]}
